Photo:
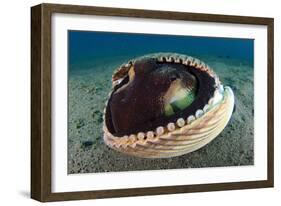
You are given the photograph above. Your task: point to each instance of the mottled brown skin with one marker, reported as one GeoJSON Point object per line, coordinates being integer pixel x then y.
{"type": "Point", "coordinates": [139, 102]}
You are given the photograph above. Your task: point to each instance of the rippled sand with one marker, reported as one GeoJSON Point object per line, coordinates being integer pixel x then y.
{"type": "Point", "coordinates": [88, 91]}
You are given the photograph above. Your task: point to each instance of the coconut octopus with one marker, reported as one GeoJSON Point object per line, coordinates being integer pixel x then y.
{"type": "Point", "coordinates": [165, 105]}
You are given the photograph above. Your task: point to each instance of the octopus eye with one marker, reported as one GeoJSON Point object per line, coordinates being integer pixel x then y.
{"type": "Point", "coordinates": [181, 93]}
{"type": "Point", "coordinates": [174, 77]}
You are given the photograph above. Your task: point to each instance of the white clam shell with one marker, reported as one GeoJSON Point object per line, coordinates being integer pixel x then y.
{"type": "Point", "coordinates": [180, 137]}
{"type": "Point", "coordinates": [190, 138]}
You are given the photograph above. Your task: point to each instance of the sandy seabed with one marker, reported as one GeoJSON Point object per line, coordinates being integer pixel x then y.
{"type": "Point", "coordinates": [88, 91]}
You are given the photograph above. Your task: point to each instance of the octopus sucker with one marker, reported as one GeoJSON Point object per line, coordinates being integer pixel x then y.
{"type": "Point", "coordinates": [164, 105]}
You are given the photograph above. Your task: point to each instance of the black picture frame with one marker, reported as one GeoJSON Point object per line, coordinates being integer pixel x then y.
{"type": "Point", "coordinates": [41, 173]}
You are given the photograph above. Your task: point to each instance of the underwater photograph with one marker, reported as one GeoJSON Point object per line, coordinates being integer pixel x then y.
{"type": "Point", "coordinates": [153, 102]}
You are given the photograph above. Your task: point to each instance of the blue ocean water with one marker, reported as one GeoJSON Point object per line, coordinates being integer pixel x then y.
{"type": "Point", "coordinates": [87, 47]}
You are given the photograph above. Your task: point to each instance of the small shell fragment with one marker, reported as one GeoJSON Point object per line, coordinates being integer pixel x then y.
{"type": "Point", "coordinates": [199, 113]}
{"type": "Point", "coordinates": [190, 119]}
{"type": "Point", "coordinates": [160, 130]}
{"type": "Point", "coordinates": [150, 135]}
{"type": "Point", "coordinates": [180, 122]}
{"type": "Point", "coordinates": [171, 127]}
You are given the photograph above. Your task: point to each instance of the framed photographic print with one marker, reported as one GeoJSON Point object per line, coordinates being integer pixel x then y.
{"type": "Point", "coordinates": [130, 102]}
